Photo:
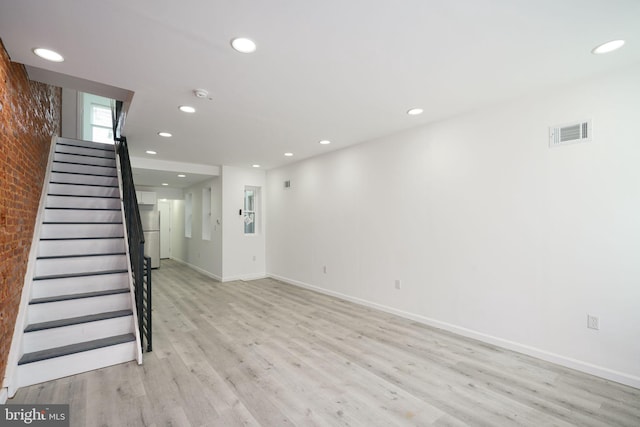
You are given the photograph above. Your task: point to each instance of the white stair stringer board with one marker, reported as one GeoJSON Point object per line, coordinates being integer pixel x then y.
{"type": "Point", "coordinates": [80, 264]}
{"type": "Point", "coordinates": [46, 312]}
{"type": "Point", "coordinates": [48, 248]}
{"type": "Point", "coordinates": [73, 334]}
{"type": "Point", "coordinates": [77, 363]}
{"type": "Point", "coordinates": [76, 285]}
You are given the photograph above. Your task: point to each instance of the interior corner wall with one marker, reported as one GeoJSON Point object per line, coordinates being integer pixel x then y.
{"type": "Point", "coordinates": [491, 233]}
{"type": "Point", "coordinates": [29, 117]}
{"type": "Point", "coordinates": [243, 255]}
{"type": "Point", "coordinates": [204, 255]}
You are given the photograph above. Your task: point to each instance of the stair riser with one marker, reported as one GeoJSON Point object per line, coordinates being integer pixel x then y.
{"type": "Point", "coordinates": [83, 179]}
{"type": "Point", "coordinates": [73, 334]}
{"type": "Point", "coordinates": [49, 267]}
{"type": "Point", "coordinates": [81, 202]}
{"type": "Point", "coordinates": [67, 149]}
{"type": "Point", "coordinates": [59, 367]}
{"type": "Point", "coordinates": [68, 215]}
{"type": "Point", "coordinates": [91, 170]}
{"type": "Point", "coordinates": [74, 231]}
{"type": "Point", "coordinates": [83, 190]}
{"type": "Point", "coordinates": [80, 307]}
{"type": "Point", "coordinates": [77, 285]}
{"type": "Point", "coordinates": [79, 247]}
{"type": "Point", "coordinates": [84, 160]}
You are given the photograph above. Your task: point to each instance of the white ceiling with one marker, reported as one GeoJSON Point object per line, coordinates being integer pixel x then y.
{"type": "Point", "coordinates": [343, 70]}
{"type": "Point", "coordinates": [156, 178]}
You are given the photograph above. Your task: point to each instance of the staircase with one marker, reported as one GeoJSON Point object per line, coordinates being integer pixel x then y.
{"type": "Point", "coordinates": [80, 315]}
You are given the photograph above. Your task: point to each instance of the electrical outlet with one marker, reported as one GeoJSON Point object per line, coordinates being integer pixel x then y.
{"type": "Point", "coordinates": [324, 269]}
{"type": "Point", "coordinates": [254, 257]}
{"type": "Point", "coordinates": [398, 284]}
{"type": "Point", "coordinates": [593, 322]}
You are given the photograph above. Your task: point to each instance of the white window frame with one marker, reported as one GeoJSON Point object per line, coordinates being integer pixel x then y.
{"type": "Point", "coordinates": [251, 212]}
{"type": "Point", "coordinates": [93, 125]}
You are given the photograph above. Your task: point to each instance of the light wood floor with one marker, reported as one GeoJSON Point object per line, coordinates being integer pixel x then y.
{"type": "Point", "coordinates": [270, 354]}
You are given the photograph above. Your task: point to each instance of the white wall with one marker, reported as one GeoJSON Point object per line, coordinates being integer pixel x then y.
{"type": "Point", "coordinates": [178, 241]}
{"type": "Point", "coordinates": [243, 255]}
{"type": "Point", "coordinates": [163, 192]}
{"type": "Point", "coordinates": [69, 122]}
{"type": "Point", "coordinates": [493, 234]}
{"type": "Point", "coordinates": [204, 255]}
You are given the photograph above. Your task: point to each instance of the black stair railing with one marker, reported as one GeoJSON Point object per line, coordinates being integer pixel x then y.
{"type": "Point", "coordinates": [140, 265]}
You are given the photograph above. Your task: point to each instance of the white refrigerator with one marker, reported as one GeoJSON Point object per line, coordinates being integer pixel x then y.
{"type": "Point", "coordinates": [151, 228]}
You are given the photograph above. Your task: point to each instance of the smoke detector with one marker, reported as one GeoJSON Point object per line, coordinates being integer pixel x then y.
{"type": "Point", "coordinates": [200, 93]}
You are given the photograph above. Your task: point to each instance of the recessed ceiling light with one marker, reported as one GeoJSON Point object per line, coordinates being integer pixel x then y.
{"type": "Point", "coordinates": [415, 111]}
{"type": "Point", "coordinates": [243, 45]}
{"type": "Point", "coordinates": [151, 152]}
{"type": "Point", "coordinates": [288, 154]}
{"type": "Point", "coordinates": [187, 109]}
{"type": "Point", "coordinates": [165, 134]}
{"type": "Point", "coordinates": [48, 54]}
{"type": "Point", "coordinates": [608, 47]}
{"type": "Point", "coordinates": [325, 142]}
{"type": "Point", "coordinates": [256, 166]}
{"type": "Point", "coordinates": [181, 175]}
{"type": "Point", "coordinates": [165, 184]}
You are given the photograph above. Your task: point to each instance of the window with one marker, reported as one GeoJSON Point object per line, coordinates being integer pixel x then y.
{"type": "Point", "coordinates": [251, 203]}
{"type": "Point", "coordinates": [101, 124]}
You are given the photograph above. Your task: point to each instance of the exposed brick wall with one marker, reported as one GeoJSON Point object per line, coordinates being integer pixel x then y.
{"type": "Point", "coordinates": [29, 116]}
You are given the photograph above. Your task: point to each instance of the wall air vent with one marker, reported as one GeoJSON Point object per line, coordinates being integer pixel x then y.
{"type": "Point", "coordinates": [571, 133]}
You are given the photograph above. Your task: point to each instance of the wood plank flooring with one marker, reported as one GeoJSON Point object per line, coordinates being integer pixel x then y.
{"type": "Point", "coordinates": [264, 353]}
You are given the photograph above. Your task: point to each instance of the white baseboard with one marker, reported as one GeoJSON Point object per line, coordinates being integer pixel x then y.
{"type": "Point", "coordinates": [199, 270]}
{"type": "Point", "coordinates": [578, 365]}
{"type": "Point", "coordinates": [243, 277]}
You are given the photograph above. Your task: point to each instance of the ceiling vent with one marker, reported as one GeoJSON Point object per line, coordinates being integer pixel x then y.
{"type": "Point", "coordinates": [571, 133]}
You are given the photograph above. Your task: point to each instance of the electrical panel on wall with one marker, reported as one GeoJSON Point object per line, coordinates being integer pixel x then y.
{"type": "Point", "coordinates": [570, 133]}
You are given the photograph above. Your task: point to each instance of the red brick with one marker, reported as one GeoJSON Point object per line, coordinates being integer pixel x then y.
{"type": "Point", "coordinates": [29, 116]}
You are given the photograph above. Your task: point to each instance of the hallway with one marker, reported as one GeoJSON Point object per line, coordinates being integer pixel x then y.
{"type": "Point", "coordinates": [270, 354]}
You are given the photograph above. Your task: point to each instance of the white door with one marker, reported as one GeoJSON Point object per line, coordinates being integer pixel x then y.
{"type": "Point", "coordinates": [164, 208]}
